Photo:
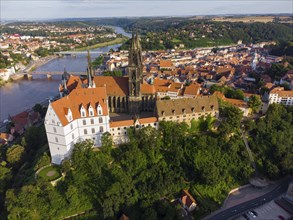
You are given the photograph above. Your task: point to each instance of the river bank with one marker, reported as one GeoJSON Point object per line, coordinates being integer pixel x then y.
{"type": "Point", "coordinates": [118, 40]}
{"type": "Point", "coordinates": [19, 95]}
{"type": "Point", "coordinates": [33, 65]}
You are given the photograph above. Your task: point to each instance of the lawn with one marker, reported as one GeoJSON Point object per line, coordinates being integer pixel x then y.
{"type": "Point", "coordinates": [50, 173]}
{"type": "Point", "coordinates": [175, 40]}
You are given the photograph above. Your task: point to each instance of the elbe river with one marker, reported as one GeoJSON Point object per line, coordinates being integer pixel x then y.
{"type": "Point", "coordinates": [21, 95]}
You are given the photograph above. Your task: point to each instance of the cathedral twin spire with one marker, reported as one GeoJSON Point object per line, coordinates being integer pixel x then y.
{"type": "Point", "coordinates": [135, 51]}
{"type": "Point", "coordinates": [135, 67]}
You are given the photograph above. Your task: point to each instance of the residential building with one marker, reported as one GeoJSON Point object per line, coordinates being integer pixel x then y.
{"type": "Point", "coordinates": [280, 96]}
{"type": "Point", "coordinates": [187, 109]}
{"type": "Point", "coordinates": [187, 201]}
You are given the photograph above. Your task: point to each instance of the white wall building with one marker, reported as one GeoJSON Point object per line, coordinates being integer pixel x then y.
{"type": "Point", "coordinates": [83, 114]}
{"type": "Point", "coordinates": [278, 95]}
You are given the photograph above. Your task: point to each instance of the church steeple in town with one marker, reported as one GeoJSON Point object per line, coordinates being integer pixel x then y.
{"type": "Point", "coordinates": [135, 66]}
{"type": "Point", "coordinates": [89, 70]}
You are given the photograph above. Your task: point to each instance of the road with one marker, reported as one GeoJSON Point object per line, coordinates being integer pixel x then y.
{"type": "Point", "coordinates": [239, 209]}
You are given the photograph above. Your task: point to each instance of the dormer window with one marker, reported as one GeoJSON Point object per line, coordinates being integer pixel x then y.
{"type": "Point", "coordinates": [82, 112]}
{"type": "Point", "coordinates": [212, 107]}
{"type": "Point", "coordinates": [173, 112]}
{"type": "Point", "coordinates": [183, 111]}
{"type": "Point", "coordinates": [91, 111]}
{"type": "Point", "coordinates": [202, 108]}
{"type": "Point", "coordinates": [99, 110]}
{"type": "Point", "coordinates": [69, 115]}
{"type": "Point", "coordinates": [192, 109]}
{"type": "Point", "coordinates": [163, 113]}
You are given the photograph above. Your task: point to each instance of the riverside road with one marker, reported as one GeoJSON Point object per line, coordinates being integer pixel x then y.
{"type": "Point", "coordinates": [241, 208]}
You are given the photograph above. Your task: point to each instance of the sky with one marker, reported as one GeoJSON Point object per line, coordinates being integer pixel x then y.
{"type": "Point", "coordinates": [51, 9]}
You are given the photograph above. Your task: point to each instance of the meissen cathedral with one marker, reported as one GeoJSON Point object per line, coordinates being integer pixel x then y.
{"type": "Point", "coordinates": [125, 94]}
{"type": "Point", "coordinates": [90, 107]}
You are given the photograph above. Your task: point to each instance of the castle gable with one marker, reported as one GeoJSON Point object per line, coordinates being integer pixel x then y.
{"type": "Point", "coordinates": [81, 101]}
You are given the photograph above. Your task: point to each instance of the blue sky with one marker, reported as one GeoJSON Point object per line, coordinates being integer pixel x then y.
{"type": "Point", "coordinates": [43, 9]}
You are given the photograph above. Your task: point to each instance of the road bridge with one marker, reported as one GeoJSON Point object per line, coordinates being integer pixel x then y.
{"type": "Point", "coordinates": [55, 73]}
{"type": "Point", "coordinates": [72, 53]}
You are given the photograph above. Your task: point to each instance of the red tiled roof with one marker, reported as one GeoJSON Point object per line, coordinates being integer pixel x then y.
{"type": "Point", "coordinates": [161, 82]}
{"type": "Point", "coordinates": [280, 91]}
{"type": "Point", "coordinates": [166, 63]}
{"type": "Point", "coordinates": [74, 82]}
{"type": "Point", "coordinates": [115, 86]}
{"type": "Point", "coordinates": [131, 122]}
{"type": "Point", "coordinates": [123, 217]}
{"type": "Point", "coordinates": [187, 199]}
{"type": "Point", "coordinates": [147, 120]}
{"type": "Point", "coordinates": [114, 124]}
{"type": "Point", "coordinates": [192, 89]}
{"type": "Point", "coordinates": [78, 97]}
{"type": "Point", "coordinates": [147, 89]}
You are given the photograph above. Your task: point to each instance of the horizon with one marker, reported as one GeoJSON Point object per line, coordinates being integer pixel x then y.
{"type": "Point", "coordinates": [16, 10]}
{"type": "Point", "coordinates": [133, 17]}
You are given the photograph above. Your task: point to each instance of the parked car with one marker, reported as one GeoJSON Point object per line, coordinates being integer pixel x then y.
{"type": "Point", "coordinates": [254, 212]}
{"type": "Point", "coordinates": [251, 214]}
{"type": "Point", "coordinates": [245, 216]}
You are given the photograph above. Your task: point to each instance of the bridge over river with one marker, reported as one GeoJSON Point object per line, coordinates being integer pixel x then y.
{"type": "Point", "coordinates": [54, 73]}
{"type": "Point", "coordinates": [73, 53]}
{"type": "Point", "coordinates": [29, 75]}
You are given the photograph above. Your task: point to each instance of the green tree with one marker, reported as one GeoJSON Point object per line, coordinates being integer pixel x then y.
{"type": "Point", "coordinates": [254, 103]}
{"type": "Point", "coordinates": [231, 118]}
{"type": "Point", "coordinates": [107, 143]}
{"type": "Point", "coordinates": [40, 109]}
{"type": "Point", "coordinates": [98, 61]}
{"type": "Point", "coordinates": [5, 177]}
{"type": "Point", "coordinates": [206, 124]}
{"type": "Point", "coordinates": [15, 154]}
{"type": "Point", "coordinates": [271, 141]}
{"type": "Point", "coordinates": [35, 137]}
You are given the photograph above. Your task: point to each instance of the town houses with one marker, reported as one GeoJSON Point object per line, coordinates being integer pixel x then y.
{"type": "Point", "coordinates": [280, 96]}
{"type": "Point", "coordinates": [24, 44]}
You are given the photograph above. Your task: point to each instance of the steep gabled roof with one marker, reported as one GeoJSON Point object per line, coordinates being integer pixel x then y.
{"type": "Point", "coordinates": [115, 86]}
{"type": "Point", "coordinates": [187, 199]}
{"type": "Point", "coordinates": [189, 105]}
{"type": "Point", "coordinates": [78, 98]}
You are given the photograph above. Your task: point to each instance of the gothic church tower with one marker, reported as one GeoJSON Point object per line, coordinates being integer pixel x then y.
{"type": "Point", "coordinates": [135, 67]}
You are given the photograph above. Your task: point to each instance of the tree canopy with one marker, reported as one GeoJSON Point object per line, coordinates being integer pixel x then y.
{"type": "Point", "coordinates": [141, 177]}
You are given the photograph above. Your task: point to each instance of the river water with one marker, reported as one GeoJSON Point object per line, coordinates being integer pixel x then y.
{"type": "Point", "coordinates": [21, 95]}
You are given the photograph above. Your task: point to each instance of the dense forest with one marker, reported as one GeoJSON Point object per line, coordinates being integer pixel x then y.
{"type": "Point", "coordinates": [142, 177]}
{"type": "Point", "coordinates": [167, 34]}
